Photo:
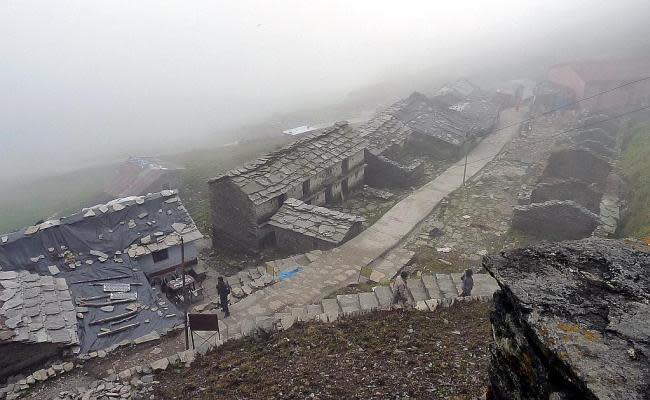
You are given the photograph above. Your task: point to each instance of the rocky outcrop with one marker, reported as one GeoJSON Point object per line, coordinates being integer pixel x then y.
{"type": "Point", "coordinates": [555, 220]}
{"type": "Point", "coordinates": [571, 321]}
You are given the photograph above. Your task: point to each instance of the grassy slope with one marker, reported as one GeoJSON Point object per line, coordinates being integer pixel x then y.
{"type": "Point", "coordinates": [382, 355]}
{"type": "Point", "coordinates": [24, 203]}
{"type": "Point", "coordinates": [636, 167]}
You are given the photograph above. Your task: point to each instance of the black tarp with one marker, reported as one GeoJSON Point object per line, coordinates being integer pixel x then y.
{"type": "Point", "coordinates": [106, 232]}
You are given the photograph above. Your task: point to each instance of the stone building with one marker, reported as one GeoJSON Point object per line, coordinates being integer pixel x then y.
{"type": "Point", "coordinates": [37, 320]}
{"type": "Point", "coordinates": [587, 79]}
{"type": "Point", "coordinates": [135, 239]}
{"type": "Point", "coordinates": [438, 128]}
{"type": "Point", "coordinates": [300, 227]}
{"type": "Point", "coordinates": [320, 168]}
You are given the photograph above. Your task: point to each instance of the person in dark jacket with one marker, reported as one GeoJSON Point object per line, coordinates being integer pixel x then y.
{"type": "Point", "coordinates": [467, 283]}
{"type": "Point", "coordinates": [223, 290]}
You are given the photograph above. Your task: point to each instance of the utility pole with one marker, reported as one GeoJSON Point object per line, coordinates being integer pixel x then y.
{"type": "Point", "coordinates": [465, 167]}
{"type": "Point", "coordinates": [183, 292]}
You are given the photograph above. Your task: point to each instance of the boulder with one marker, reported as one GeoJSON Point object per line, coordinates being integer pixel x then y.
{"type": "Point", "coordinates": [571, 321]}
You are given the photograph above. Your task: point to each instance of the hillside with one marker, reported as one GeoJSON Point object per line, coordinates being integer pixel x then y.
{"type": "Point", "coordinates": [389, 354]}
{"type": "Point", "coordinates": [636, 168]}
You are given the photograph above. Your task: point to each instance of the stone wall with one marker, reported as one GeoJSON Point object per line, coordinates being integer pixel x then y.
{"type": "Point", "coordinates": [383, 172]}
{"type": "Point", "coordinates": [17, 357]}
{"type": "Point", "coordinates": [555, 219]}
{"type": "Point", "coordinates": [577, 191]}
{"type": "Point", "coordinates": [578, 164]}
{"type": "Point", "coordinates": [571, 321]}
{"type": "Point", "coordinates": [293, 242]}
{"type": "Point", "coordinates": [440, 149]}
{"type": "Point", "coordinates": [234, 222]}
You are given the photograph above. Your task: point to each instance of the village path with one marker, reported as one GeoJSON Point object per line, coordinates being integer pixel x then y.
{"type": "Point", "coordinates": [341, 266]}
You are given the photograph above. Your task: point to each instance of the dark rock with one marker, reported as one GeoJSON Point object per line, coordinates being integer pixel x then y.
{"type": "Point", "coordinates": [556, 220]}
{"type": "Point", "coordinates": [572, 321]}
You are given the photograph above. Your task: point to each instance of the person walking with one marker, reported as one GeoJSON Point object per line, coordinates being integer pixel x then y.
{"type": "Point", "coordinates": [223, 290]}
{"type": "Point", "coordinates": [400, 291]}
{"type": "Point", "coordinates": [467, 283]}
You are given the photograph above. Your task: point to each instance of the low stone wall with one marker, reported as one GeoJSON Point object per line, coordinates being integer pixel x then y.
{"type": "Point", "coordinates": [384, 172]}
{"type": "Point", "coordinates": [555, 219]}
{"type": "Point", "coordinates": [572, 189]}
{"type": "Point", "coordinates": [580, 164]}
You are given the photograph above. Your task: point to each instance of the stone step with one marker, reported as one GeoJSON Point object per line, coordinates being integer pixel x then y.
{"type": "Point", "coordinates": [484, 284]}
{"type": "Point", "coordinates": [331, 308]}
{"type": "Point", "coordinates": [431, 285]}
{"type": "Point", "coordinates": [368, 301]}
{"type": "Point", "coordinates": [416, 287]}
{"type": "Point", "coordinates": [313, 310]}
{"type": "Point", "coordinates": [254, 273]}
{"type": "Point", "coordinates": [447, 286]}
{"type": "Point", "coordinates": [233, 281]}
{"type": "Point", "coordinates": [262, 270]}
{"type": "Point", "coordinates": [349, 303]}
{"type": "Point", "coordinates": [384, 295]}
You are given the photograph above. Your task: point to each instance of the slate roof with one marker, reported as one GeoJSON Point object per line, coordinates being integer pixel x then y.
{"type": "Point", "coordinates": [279, 171]}
{"type": "Point", "coordinates": [420, 114]}
{"type": "Point", "coordinates": [385, 130]}
{"type": "Point", "coordinates": [36, 309]}
{"type": "Point", "coordinates": [318, 222]}
{"type": "Point", "coordinates": [483, 111]}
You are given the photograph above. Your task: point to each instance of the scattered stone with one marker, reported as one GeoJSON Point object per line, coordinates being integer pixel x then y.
{"type": "Point", "coordinates": [107, 308]}
{"type": "Point", "coordinates": [160, 365]}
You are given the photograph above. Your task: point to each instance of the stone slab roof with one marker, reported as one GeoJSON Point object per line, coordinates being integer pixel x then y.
{"type": "Point", "coordinates": [36, 309]}
{"type": "Point", "coordinates": [445, 124]}
{"type": "Point", "coordinates": [420, 114]}
{"type": "Point", "coordinates": [319, 222]}
{"type": "Point", "coordinates": [385, 129]}
{"type": "Point", "coordinates": [134, 225]}
{"type": "Point", "coordinates": [279, 171]}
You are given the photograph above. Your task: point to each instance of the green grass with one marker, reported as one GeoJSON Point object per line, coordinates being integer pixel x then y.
{"type": "Point", "coordinates": [23, 203]}
{"type": "Point", "coordinates": [636, 168]}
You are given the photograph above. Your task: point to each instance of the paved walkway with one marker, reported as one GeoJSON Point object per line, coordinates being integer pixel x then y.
{"type": "Point", "coordinates": [341, 266]}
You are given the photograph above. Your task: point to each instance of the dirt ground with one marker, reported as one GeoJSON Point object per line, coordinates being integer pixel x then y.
{"type": "Point", "coordinates": [391, 354]}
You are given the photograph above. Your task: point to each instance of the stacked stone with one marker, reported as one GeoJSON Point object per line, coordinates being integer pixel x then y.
{"type": "Point", "coordinates": [571, 321]}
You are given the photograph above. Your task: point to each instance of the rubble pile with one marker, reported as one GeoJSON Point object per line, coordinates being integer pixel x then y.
{"type": "Point", "coordinates": [571, 321]}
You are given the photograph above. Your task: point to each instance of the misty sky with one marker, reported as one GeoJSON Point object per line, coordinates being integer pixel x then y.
{"type": "Point", "coordinates": [83, 79]}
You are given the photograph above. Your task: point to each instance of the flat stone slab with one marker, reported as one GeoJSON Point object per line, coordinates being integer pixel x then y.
{"type": "Point", "coordinates": [368, 301]}
{"type": "Point", "coordinates": [331, 308]}
{"type": "Point", "coordinates": [447, 287]}
{"type": "Point", "coordinates": [384, 295]}
{"type": "Point", "coordinates": [314, 309]}
{"type": "Point", "coordinates": [416, 287]}
{"type": "Point", "coordinates": [349, 303]}
{"type": "Point", "coordinates": [431, 285]}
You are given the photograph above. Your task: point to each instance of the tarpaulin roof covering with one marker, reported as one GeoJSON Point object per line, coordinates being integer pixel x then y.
{"type": "Point", "coordinates": [95, 244]}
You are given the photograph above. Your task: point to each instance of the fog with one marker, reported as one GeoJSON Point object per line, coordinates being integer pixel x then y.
{"type": "Point", "coordinates": [85, 81]}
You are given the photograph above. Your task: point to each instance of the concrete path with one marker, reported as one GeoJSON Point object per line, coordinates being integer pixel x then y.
{"type": "Point", "coordinates": [341, 266]}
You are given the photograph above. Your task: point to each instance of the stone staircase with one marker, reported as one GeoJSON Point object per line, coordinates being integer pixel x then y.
{"type": "Point", "coordinates": [428, 291]}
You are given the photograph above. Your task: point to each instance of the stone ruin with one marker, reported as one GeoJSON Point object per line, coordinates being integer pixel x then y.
{"type": "Point", "coordinates": [571, 321]}
{"type": "Point", "coordinates": [555, 219]}
{"type": "Point", "coordinates": [577, 194]}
